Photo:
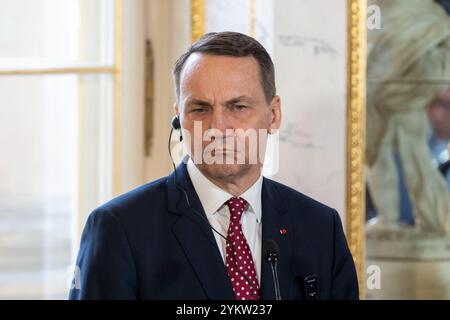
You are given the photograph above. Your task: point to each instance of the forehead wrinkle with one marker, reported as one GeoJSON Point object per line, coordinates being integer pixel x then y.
{"type": "Point", "coordinates": [211, 78]}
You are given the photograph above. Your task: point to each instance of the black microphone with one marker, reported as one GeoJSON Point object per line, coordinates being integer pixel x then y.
{"type": "Point", "coordinates": [271, 255]}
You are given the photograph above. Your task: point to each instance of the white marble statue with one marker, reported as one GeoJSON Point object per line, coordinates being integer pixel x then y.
{"type": "Point", "coordinates": [408, 65]}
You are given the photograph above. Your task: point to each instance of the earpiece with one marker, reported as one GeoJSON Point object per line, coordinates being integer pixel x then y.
{"type": "Point", "coordinates": [177, 126]}
{"type": "Point", "coordinates": [176, 123]}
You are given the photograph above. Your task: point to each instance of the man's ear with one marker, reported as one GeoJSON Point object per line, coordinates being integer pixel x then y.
{"type": "Point", "coordinates": [275, 109]}
{"type": "Point", "coordinates": [176, 109]}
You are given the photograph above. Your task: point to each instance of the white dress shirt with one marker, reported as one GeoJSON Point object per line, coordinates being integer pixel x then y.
{"type": "Point", "coordinates": [213, 201]}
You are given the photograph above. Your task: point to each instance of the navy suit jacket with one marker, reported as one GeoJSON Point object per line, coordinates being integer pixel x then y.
{"type": "Point", "coordinates": [149, 244]}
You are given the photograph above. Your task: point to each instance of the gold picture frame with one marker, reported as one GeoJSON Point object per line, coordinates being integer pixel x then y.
{"type": "Point", "coordinates": [355, 133]}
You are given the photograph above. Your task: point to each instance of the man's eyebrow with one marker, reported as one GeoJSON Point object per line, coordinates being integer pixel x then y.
{"type": "Point", "coordinates": [198, 102]}
{"type": "Point", "coordinates": [239, 99]}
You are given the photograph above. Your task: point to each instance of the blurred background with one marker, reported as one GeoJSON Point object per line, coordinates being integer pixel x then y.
{"type": "Point", "coordinates": [58, 85]}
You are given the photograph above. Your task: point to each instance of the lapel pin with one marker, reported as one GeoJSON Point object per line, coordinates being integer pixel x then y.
{"type": "Point", "coordinates": [283, 231]}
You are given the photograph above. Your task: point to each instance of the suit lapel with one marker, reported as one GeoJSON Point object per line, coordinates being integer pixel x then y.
{"type": "Point", "coordinates": [275, 226]}
{"type": "Point", "coordinates": [196, 237]}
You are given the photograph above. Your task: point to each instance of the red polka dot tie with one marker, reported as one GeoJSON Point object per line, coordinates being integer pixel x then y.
{"type": "Point", "coordinates": [239, 260]}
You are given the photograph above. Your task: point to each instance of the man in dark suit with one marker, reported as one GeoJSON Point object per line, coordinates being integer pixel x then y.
{"type": "Point", "coordinates": [201, 232]}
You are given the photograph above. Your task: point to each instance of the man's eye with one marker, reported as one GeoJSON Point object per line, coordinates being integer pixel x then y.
{"type": "Point", "coordinates": [239, 107]}
{"type": "Point", "coordinates": [198, 110]}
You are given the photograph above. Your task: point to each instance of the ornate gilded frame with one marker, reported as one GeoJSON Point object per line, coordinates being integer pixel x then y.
{"type": "Point", "coordinates": [197, 19]}
{"type": "Point", "coordinates": [355, 126]}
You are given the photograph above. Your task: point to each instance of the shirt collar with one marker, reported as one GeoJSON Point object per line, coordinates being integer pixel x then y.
{"type": "Point", "coordinates": [212, 197]}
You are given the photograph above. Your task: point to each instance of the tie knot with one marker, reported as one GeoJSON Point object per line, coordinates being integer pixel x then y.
{"type": "Point", "coordinates": [237, 207]}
